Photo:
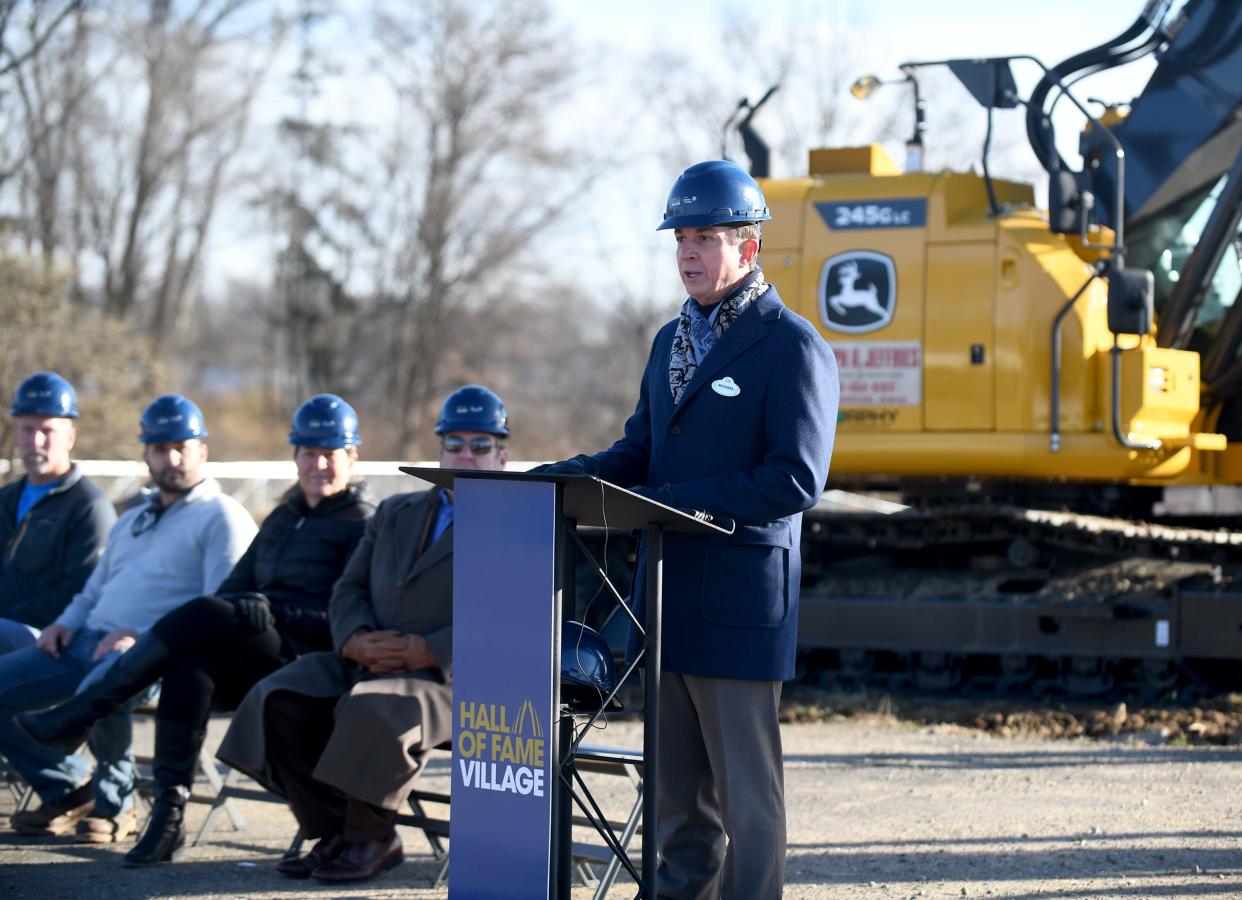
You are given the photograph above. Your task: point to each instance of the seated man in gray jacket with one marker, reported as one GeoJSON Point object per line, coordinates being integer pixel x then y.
{"type": "Point", "coordinates": [53, 522]}
{"type": "Point", "coordinates": [342, 735]}
{"type": "Point", "coordinates": [179, 545]}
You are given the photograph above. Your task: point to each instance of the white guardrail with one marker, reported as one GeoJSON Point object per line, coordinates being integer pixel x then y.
{"type": "Point", "coordinates": [258, 484]}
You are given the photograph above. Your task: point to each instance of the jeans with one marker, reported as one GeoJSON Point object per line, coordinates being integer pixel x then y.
{"type": "Point", "coordinates": [32, 679]}
{"type": "Point", "coordinates": [15, 635]}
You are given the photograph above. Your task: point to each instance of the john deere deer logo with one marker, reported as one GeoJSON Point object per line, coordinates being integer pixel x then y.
{"type": "Point", "coordinates": [857, 291]}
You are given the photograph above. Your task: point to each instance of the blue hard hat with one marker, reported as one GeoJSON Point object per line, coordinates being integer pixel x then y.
{"type": "Point", "coordinates": [45, 394]}
{"type": "Point", "coordinates": [171, 417]}
{"type": "Point", "coordinates": [588, 673]}
{"type": "Point", "coordinates": [325, 420]}
{"type": "Point", "coordinates": [473, 408]}
{"type": "Point", "coordinates": [716, 192]}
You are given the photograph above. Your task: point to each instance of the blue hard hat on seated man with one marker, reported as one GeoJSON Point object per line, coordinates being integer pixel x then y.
{"type": "Point", "coordinates": [473, 408]}
{"type": "Point", "coordinates": [45, 394]}
{"type": "Point", "coordinates": [44, 407]}
{"type": "Point", "coordinates": [172, 417]}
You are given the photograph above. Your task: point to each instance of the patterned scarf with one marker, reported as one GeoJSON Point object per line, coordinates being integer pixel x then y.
{"type": "Point", "coordinates": [682, 362]}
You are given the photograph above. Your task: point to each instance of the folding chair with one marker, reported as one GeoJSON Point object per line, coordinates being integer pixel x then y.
{"type": "Point", "coordinates": [21, 791]}
{"type": "Point", "coordinates": [619, 762]}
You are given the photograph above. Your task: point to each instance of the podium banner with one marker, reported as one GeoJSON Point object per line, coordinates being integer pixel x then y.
{"type": "Point", "coordinates": [503, 590]}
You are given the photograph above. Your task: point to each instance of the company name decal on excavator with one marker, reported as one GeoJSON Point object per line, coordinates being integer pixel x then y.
{"type": "Point", "coordinates": [867, 418]}
{"type": "Point", "coordinates": [879, 374]}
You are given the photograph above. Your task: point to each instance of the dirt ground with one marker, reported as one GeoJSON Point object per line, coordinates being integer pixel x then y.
{"type": "Point", "coordinates": [1210, 721]}
{"type": "Point", "coordinates": [878, 806]}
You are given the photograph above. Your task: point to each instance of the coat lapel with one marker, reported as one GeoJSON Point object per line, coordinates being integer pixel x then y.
{"type": "Point", "coordinates": [749, 329]}
{"type": "Point", "coordinates": [415, 523]}
{"type": "Point", "coordinates": [442, 548]}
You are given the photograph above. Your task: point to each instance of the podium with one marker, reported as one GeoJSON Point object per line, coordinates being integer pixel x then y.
{"type": "Point", "coordinates": [514, 552]}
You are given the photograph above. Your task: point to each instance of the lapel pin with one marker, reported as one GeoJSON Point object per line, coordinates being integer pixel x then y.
{"type": "Point", "coordinates": [726, 387]}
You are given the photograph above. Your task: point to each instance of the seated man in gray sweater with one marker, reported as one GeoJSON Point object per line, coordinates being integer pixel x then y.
{"type": "Point", "coordinates": [179, 545]}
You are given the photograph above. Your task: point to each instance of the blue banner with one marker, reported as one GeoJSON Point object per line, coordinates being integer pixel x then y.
{"type": "Point", "coordinates": [503, 584]}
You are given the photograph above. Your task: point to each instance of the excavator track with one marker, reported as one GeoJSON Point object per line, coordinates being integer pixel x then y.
{"type": "Point", "coordinates": [1009, 599]}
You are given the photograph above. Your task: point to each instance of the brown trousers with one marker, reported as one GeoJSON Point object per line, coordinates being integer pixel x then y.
{"type": "Point", "coordinates": [298, 728]}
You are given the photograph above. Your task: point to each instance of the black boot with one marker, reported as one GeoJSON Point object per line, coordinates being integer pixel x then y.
{"type": "Point", "coordinates": [177, 745]}
{"type": "Point", "coordinates": [163, 840]}
{"type": "Point", "coordinates": [69, 725]}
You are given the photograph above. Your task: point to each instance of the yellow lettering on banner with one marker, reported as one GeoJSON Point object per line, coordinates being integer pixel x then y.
{"type": "Point", "coordinates": [471, 743]}
{"type": "Point", "coordinates": [488, 717]}
{"type": "Point", "coordinates": [466, 717]}
{"type": "Point", "coordinates": [522, 751]}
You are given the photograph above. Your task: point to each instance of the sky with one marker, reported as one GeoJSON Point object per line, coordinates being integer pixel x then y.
{"type": "Point", "coordinates": [614, 38]}
{"type": "Point", "coordinates": [877, 35]}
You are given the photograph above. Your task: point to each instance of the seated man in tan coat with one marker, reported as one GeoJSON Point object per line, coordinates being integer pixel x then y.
{"type": "Point", "coordinates": [342, 735]}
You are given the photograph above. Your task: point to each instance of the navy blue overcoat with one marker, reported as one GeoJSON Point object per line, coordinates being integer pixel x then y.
{"type": "Point", "coordinates": [750, 440]}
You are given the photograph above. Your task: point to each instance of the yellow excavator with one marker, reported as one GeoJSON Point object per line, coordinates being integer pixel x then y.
{"type": "Point", "coordinates": [1049, 401]}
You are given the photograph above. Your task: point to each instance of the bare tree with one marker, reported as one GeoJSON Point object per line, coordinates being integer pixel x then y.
{"type": "Point", "coordinates": [32, 145]}
{"type": "Point", "coordinates": [199, 87]}
{"type": "Point", "coordinates": [472, 174]}
{"type": "Point", "coordinates": [114, 370]}
{"type": "Point", "coordinates": [51, 87]}
{"type": "Point", "coordinates": [129, 118]}
{"type": "Point", "coordinates": [44, 19]}
{"type": "Point", "coordinates": [320, 217]}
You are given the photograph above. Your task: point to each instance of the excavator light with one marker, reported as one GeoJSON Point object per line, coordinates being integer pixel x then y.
{"type": "Point", "coordinates": [865, 86]}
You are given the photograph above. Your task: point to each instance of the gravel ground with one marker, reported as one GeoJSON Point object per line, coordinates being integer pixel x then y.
{"type": "Point", "coordinates": [877, 808]}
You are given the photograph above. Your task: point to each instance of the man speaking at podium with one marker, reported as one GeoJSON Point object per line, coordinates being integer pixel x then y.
{"type": "Point", "coordinates": [736, 416]}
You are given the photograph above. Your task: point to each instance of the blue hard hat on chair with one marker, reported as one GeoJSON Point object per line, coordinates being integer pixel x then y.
{"type": "Point", "coordinates": [716, 192]}
{"type": "Point", "coordinates": [45, 394]}
{"type": "Point", "coordinates": [588, 673]}
{"type": "Point", "coordinates": [473, 408]}
{"type": "Point", "coordinates": [325, 420]}
{"type": "Point", "coordinates": [172, 417]}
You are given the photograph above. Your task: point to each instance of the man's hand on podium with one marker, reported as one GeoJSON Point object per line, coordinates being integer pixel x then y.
{"type": "Point", "coordinates": [578, 465]}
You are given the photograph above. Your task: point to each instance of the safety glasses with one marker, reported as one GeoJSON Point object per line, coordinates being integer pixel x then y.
{"type": "Point", "coordinates": [478, 446]}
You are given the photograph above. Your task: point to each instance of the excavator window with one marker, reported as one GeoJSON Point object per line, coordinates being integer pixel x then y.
{"type": "Point", "coordinates": [1164, 245]}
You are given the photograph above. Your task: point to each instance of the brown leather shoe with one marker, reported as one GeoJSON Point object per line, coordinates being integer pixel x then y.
{"type": "Point", "coordinates": [326, 850]}
{"type": "Point", "coordinates": [361, 861]}
{"type": "Point", "coordinates": [59, 817]}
